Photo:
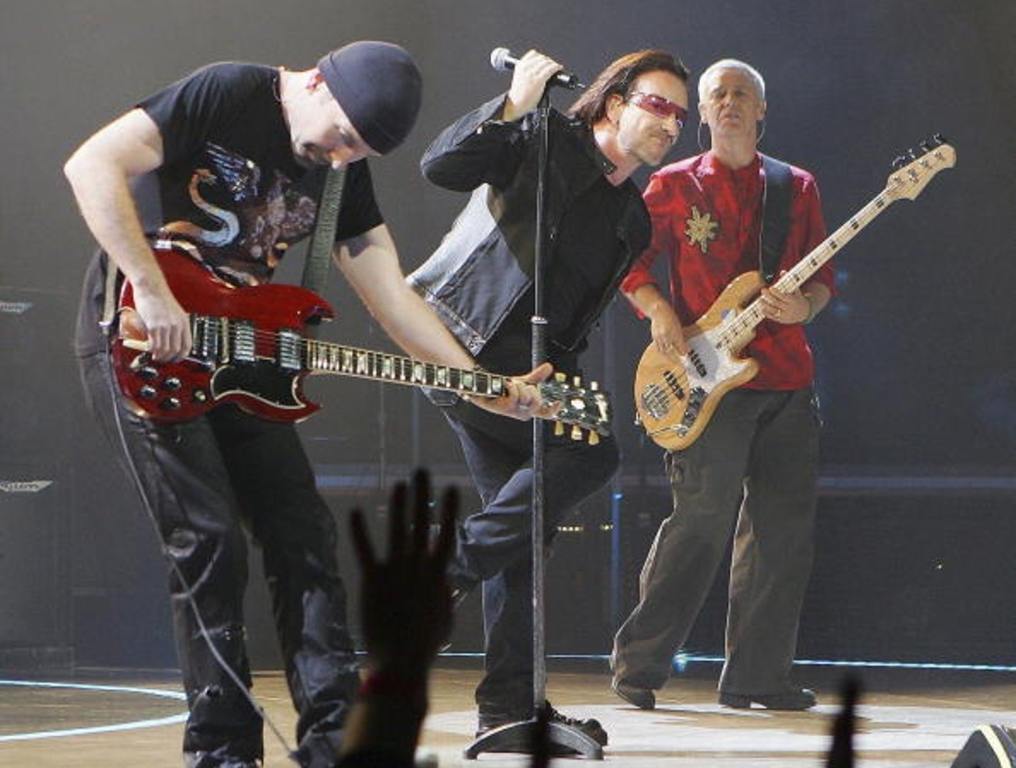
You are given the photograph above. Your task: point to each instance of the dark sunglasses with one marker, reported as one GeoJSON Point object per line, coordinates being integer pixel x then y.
{"type": "Point", "coordinates": [659, 106]}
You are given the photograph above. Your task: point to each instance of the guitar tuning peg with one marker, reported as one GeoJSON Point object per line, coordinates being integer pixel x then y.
{"type": "Point", "coordinates": [594, 438]}
{"type": "Point", "coordinates": [576, 433]}
{"type": "Point", "coordinates": [925, 146]}
{"type": "Point", "coordinates": [560, 377]}
{"type": "Point", "coordinates": [939, 139]}
{"type": "Point", "coordinates": [577, 381]}
{"type": "Point", "coordinates": [594, 386]}
{"type": "Point", "coordinates": [558, 428]}
{"type": "Point", "coordinates": [899, 162]}
{"type": "Point", "coordinates": [911, 154]}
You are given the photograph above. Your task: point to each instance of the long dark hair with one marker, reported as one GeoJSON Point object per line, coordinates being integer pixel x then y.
{"type": "Point", "coordinates": [591, 106]}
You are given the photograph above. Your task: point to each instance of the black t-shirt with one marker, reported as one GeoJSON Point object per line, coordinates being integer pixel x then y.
{"type": "Point", "coordinates": [229, 182]}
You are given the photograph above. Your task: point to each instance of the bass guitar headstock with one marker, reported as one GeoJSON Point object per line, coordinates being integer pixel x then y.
{"type": "Point", "coordinates": [586, 409]}
{"type": "Point", "coordinates": [915, 169]}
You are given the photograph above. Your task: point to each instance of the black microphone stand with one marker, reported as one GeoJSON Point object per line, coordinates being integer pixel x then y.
{"type": "Point", "coordinates": [521, 736]}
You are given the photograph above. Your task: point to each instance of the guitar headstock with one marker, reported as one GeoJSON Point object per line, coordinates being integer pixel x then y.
{"type": "Point", "coordinates": [915, 169]}
{"type": "Point", "coordinates": [586, 409]}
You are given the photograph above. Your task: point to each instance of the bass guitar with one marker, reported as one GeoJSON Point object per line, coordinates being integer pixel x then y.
{"type": "Point", "coordinates": [675, 402]}
{"type": "Point", "coordinates": [251, 347]}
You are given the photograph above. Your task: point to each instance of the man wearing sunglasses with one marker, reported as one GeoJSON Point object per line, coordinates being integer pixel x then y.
{"type": "Point", "coordinates": [480, 282]}
{"type": "Point", "coordinates": [755, 463]}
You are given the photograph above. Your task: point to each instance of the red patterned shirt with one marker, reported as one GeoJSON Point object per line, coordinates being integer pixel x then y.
{"type": "Point", "coordinates": [707, 219]}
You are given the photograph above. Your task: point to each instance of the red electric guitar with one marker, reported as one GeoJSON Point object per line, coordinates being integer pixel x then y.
{"type": "Point", "coordinates": [250, 347]}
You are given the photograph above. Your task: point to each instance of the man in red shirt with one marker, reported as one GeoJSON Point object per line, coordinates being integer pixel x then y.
{"type": "Point", "coordinates": [756, 462]}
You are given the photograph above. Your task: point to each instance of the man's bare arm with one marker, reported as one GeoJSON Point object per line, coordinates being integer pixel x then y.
{"type": "Point", "coordinates": [99, 172]}
{"type": "Point", "coordinates": [665, 326]}
{"type": "Point", "coordinates": [371, 265]}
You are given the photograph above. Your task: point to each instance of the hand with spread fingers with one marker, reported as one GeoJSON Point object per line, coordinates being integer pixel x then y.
{"type": "Point", "coordinates": [406, 601]}
{"type": "Point", "coordinates": [532, 72]}
{"type": "Point", "coordinates": [406, 610]}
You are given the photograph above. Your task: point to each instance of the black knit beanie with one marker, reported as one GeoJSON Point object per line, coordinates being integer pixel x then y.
{"type": "Point", "coordinates": [378, 87]}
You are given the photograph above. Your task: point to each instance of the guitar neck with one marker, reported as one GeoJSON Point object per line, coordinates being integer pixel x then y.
{"type": "Point", "coordinates": [327, 357]}
{"type": "Point", "coordinates": [740, 329]}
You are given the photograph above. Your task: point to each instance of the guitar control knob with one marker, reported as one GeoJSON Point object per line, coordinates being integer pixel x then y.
{"type": "Point", "coordinates": [560, 377]}
{"type": "Point", "coordinates": [558, 428]}
{"type": "Point", "coordinates": [594, 386]}
{"type": "Point", "coordinates": [148, 373]}
{"type": "Point", "coordinates": [147, 392]}
{"type": "Point", "coordinates": [172, 383]}
{"type": "Point", "coordinates": [576, 432]}
{"type": "Point", "coordinates": [170, 404]}
{"type": "Point", "coordinates": [199, 396]}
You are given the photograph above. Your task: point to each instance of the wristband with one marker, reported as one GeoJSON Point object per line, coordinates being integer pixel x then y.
{"type": "Point", "coordinates": [379, 683]}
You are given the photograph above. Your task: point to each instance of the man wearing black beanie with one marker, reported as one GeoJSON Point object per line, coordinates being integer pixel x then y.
{"type": "Point", "coordinates": [237, 155]}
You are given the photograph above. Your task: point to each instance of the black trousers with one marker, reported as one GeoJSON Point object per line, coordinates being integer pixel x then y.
{"type": "Point", "coordinates": [202, 482]}
{"type": "Point", "coordinates": [754, 467]}
{"type": "Point", "coordinates": [494, 545]}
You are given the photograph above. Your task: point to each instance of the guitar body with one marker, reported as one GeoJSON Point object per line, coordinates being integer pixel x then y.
{"type": "Point", "coordinates": [675, 402]}
{"type": "Point", "coordinates": [240, 365]}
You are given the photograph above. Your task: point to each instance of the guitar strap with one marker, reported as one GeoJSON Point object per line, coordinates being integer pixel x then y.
{"type": "Point", "coordinates": [322, 242]}
{"type": "Point", "coordinates": [776, 189]}
{"type": "Point", "coordinates": [109, 297]}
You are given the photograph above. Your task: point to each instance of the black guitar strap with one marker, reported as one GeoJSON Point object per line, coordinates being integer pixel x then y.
{"type": "Point", "coordinates": [776, 190]}
{"type": "Point", "coordinates": [322, 242]}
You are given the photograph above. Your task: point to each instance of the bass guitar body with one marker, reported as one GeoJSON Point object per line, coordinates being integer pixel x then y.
{"type": "Point", "coordinates": [675, 402]}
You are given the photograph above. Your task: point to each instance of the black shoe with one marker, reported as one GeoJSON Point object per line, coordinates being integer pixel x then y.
{"type": "Point", "coordinates": [794, 700]}
{"type": "Point", "coordinates": [590, 728]}
{"type": "Point", "coordinates": [643, 698]}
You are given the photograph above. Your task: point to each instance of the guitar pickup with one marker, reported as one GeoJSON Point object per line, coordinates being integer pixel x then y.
{"type": "Point", "coordinates": [288, 352]}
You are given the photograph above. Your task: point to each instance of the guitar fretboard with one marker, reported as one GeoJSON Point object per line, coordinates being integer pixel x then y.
{"type": "Point", "coordinates": [326, 357]}
{"type": "Point", "coordinates": [738, 331]}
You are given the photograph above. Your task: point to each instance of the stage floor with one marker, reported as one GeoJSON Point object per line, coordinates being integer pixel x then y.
{"type": "Point", "coordinates": [906, 719]}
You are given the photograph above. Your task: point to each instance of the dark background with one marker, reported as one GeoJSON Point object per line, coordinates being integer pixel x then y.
{"type": "Point", "coordinates": [917, 385]}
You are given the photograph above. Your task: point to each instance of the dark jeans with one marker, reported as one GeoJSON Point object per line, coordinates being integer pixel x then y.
{"type": "Point", "coordinates": [755, 465]}
{"type": "Point", "coordinates": [201, 481]}
{"type": "Point", "coordinates": [494, 545]}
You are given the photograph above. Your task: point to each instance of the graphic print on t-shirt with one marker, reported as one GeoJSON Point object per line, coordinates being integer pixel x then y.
{"type": "Point", "coordinates": [700, 230]}
{"type": "Point", "coordinates": [243, 219]}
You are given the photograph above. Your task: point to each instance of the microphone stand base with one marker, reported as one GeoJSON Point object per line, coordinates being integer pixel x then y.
{"type": "Point", "coordinates": [562, 741]}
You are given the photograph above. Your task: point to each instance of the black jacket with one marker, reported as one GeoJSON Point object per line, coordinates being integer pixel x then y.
{"type": "Point", "coordinates": [485, 263]}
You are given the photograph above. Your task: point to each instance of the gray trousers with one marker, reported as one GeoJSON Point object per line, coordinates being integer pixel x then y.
{"type": "Point", "coordinates": [755, 465]}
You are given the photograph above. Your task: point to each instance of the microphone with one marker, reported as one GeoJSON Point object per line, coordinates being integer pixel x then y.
{"type": "Point", "coordinates": [502, 60]}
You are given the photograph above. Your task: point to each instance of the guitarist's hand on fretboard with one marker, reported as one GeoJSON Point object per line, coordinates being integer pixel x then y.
{"type": "Point", "coordinates": [787, 308]}
{"type": "Point", "coordinates": [522, 400]}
